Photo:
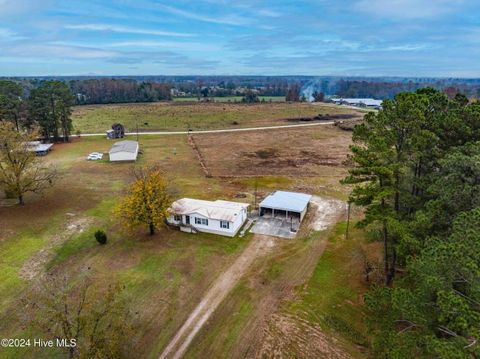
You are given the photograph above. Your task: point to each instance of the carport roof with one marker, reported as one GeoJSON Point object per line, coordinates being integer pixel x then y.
{"type": "Point", "coordinates": [286, 201]}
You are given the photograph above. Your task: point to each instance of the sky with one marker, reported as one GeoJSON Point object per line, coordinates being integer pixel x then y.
{"type": "Point", "coordinates": [421, 38]}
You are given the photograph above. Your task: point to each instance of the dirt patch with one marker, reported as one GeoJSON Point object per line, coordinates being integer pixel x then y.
{"type": "Point", "coordinates": [305, 152]}
{"type": "Point", "coordinates": [327, 212]}
{"type": "Point", "coordinates": [292, 337]}
{"type": "Point", "coordinates": [35, 265]}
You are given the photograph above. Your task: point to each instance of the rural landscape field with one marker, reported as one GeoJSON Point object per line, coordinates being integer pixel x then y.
{"type": "Point", "coordinates": [239, 180]}
{"type": "Point", "coordinates": [199, 116]}
{"type": "Point", "coordinates": [166, 275]}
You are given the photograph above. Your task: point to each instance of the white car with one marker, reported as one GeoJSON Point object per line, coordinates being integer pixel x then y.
{"type": "Point", "coordinates": [95, 156]}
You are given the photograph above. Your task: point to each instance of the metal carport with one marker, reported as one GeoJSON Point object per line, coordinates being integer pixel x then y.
{"type": "Point", "coordinates": [285, 204]}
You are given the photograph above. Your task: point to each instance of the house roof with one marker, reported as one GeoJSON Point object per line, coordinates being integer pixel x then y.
{"type": "Point", "coordinates": [220, 210]}
{"type": "Point", "coordinates": [286, 201]}
{"type": "Point", "coordinates": [124, 146]}
{"type": "Point", "coordinates": [37, 146]}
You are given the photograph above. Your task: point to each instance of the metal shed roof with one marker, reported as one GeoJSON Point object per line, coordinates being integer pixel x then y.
{"type": "Point", "coordinates": [286, 201]}
{"type": "Point", "coordinates": [37, 146]}
{"type": "Point", "coordinates": [124, 146]}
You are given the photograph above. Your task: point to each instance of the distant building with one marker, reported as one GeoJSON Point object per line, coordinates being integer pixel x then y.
{"type": "Point", "coordinates": [124, 151]}
{"type": "Point", "coordinates": [218, 217]}
{"type": "Point", "coordinates": [41, 149]}
{"type": "Point", "coordinates": [359, 102]}
{"type": "Point", "coordinates": [117, 131]}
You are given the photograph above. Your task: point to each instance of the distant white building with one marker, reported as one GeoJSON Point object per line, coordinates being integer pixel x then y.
{"type": "Point", "coordinates": [218, 217]}
{"type": "Point", "coordinates": [359, 102]}
{"type": "Point", "coordinates": [124, 151]}
{"type": "Point", "coordinates": [41, 149]}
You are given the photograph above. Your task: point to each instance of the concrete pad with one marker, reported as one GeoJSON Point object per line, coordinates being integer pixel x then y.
{"type": "Point", "coordinates": [275, 227]}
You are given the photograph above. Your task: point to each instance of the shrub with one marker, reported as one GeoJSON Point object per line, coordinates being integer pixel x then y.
{"type": "Point", "coordinates": [101, 237]}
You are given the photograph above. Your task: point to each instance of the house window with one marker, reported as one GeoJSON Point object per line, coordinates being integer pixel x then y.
{"type": "Point", "coordinates": [177, 218]}
{"type": "Point", "coordinates": [224, 224]}
{"type": "Point", "coordinates": [203, 221]}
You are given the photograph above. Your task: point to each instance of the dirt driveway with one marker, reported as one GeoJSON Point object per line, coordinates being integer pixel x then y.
{"type": "Point", "coordinates": [259, 246]}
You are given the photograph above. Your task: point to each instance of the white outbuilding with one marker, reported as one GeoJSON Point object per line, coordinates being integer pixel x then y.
{"type": "Point", "coordinates": [281, 204]}
{"type": "Point", "coordinates": [124, 151]}
{"type": "Point", "coordinates": [218, 217]}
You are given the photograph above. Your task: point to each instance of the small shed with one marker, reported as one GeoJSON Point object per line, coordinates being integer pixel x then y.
{"type": "Point", "coordinates": [41, 149]}
{"type": "Point", "coordinates": [283, 204]}
{"type": "Point", "coordinates": [124, 151]}
{"type": "Point", "coordinates": [117, 131]}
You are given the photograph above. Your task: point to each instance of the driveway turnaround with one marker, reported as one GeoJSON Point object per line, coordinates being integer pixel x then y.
{"type": "Point", "coordinates": [276, 227]}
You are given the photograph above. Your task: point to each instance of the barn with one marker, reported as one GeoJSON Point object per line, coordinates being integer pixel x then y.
{"type": "Point", "coordinates": [124, 151]}
{"type": "Point", "coordinates": [281, 204]}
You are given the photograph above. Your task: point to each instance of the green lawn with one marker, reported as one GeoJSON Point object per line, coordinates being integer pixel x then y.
{"type": "Point", "coordinates": [333, 295]}
{"type": "Point", "coordinates": [176, 116]}
{"type": "Point", "coordinates": [329, 297]}
{"type": "Point", "coordinates": [164, 276]}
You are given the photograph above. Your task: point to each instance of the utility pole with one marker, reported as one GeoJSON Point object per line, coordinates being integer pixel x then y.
{"type": "Point", "coordinates": [255, 194]}
{"type": "Point", "coordinates": [348, 219]}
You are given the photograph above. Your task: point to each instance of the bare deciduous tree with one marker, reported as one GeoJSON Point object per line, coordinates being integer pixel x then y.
{"type": "Point", "coordinates": [95, 318]}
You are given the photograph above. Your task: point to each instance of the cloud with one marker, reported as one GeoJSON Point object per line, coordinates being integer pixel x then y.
{"type": "Point", "coordinates": [55, 52]}
{"type": "Point", "coordinates": [224, 20]}
{"type": "Point", "coordinates": [408, 9]}
{"type": "Point", "coordinates": [9, 35]}
{"type": "Point", "coordinates": [10, 8]}
{"type": "Point", "coordinates": [125, 29]}
{"type": "Point", "coordinates": [60, 51]}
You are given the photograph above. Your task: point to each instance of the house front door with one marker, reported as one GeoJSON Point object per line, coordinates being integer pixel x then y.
{"type": "Point", "coordinates": [187, 219]}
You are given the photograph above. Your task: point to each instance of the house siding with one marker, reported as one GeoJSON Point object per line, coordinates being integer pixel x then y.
{"type": "Point", "coordinates": [213, 224]}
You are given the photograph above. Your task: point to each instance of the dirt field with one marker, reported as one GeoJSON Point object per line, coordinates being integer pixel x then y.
{"type": "Point", "coordinates": [310, 152]}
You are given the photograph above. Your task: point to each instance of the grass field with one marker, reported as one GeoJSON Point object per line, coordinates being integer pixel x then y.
{"type": "Point", "coordinates": [169, 265]}
{"type": "Point", "coordinates": [166, 275]}
{"type": "Point", "coordinates": [197, 116]}
{"type": "Point", "coordinates": [294, 305]}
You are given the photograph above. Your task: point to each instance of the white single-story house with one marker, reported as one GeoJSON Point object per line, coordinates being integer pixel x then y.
{"type": "Point", "coordinates": [124, 151]}
{"type": "Point", "coordinates": [41, 149]}
{"type": "Point", "coordinates": [285, 204]}
{"type": "Point", "coordinates": [218, 217]}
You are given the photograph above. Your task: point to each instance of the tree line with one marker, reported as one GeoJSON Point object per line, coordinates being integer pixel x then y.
{"type": "Point", "coordinates": [99, 91]}
{"type": "Point", "coordinates": [48, 107]}
{"type": "Point", "coordinates": [416, 171]}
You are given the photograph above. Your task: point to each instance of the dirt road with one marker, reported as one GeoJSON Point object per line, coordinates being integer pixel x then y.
{"type": "Point", "coordinates": [215, 131]}
{"type": "Point", "coordinates": [259, 246]}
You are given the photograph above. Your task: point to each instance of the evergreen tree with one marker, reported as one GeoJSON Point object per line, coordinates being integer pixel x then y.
{"type": "Point", "coordinates": [50, 105]}
{"type": "Point", "coordinates": [10, 102]}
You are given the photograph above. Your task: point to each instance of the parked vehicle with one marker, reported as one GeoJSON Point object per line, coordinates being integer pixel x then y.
{"type": "Point", "coordinates": [95, 156]}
